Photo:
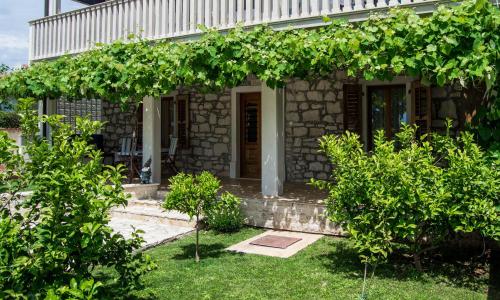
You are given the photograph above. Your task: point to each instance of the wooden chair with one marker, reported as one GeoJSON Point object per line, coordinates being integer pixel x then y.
{"type": "Point", "coordinates": [170, 159]}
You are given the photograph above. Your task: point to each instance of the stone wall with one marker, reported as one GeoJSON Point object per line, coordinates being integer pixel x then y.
{"type": "Point", "coordinates": [118, 124]}
{"type": "Point", "coordinates": [444, 106]}
{"type": "Point", "coordinates": [312, 110]}
{"type": "Point", "coordinates": [209, 134]}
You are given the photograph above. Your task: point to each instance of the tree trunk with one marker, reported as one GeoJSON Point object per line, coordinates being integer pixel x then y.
{"type": "Point", "coordinates": [197, 256]}
{"type": "Point", "coordinates": [417, 257]}
{"type": "Point", "coordinates": [417, 262]}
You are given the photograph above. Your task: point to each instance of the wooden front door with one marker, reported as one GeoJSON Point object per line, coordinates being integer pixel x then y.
{"type": "Point", "coordinates": [250, 136]}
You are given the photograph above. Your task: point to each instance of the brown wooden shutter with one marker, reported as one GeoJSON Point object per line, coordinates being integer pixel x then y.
{"type": "Point", "coordinates": [352, 107]}
{"type": "Point", "coordinates": [183, 120]}
{"type": "Point", "coordinates": [421, 107]}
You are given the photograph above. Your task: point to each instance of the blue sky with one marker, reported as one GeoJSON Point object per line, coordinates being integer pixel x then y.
{"type": "Point", "coordinates": [14, 17]}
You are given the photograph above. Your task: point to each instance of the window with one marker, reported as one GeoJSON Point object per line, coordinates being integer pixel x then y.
{"type": "Point", "coordinates": [139, 125]}
{"type": "Point", "coordinates": [174, 121]}
{"type": "Point", "coordinates": [386, 110]}
{"type": "Point", "coordinates": [352, 107]}
{"type": "Point", "coordinates": [167, 121]}
{"type": "Point", "coordinates": [182, 102]}
{"type": "Point", "coordinates": [421, 107]}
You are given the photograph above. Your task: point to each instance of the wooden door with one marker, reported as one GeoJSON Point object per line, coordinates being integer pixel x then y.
{"type": "Point", "coordinates": [250, 135]}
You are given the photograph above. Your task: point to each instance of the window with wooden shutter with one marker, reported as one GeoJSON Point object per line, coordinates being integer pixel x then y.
{"type": "Point", "coordinates": [140, 124]}
{"type": "Point", "coordinates": [167, 121]}
{"type": "Point", "coordinates": [352, 107]}
{"type": "Point", "coordinates": [183, 120]}
{"type": "Point", "coordinates": [421, 107]}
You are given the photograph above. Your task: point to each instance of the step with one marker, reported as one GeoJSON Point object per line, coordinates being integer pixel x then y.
{"type": "Point", "coordinates": [141, 210]}
{"type": "Point", "coordinates": [154, 233]}
{"type": "Point", "coordinates": [142, 191]}
{"type": "Point", "coordinates": [160, 194]}
{"type": "Point", "coordinates": [146, 203]}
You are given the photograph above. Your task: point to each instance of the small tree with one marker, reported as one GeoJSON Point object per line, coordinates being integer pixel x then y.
{"type": "Point", "coordinates": [410, 193]}
{"type": "Point", "coordinates": [194, 196]}
{"type": "Point", "coordinates": [53, 239]}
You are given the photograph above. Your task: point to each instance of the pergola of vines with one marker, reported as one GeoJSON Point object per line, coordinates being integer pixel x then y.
{"type": "Point", "coordinates": [457, 43]}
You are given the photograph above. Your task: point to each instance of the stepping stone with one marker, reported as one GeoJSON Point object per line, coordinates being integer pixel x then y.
{"type": "Point", "coordinates": [276, 243]}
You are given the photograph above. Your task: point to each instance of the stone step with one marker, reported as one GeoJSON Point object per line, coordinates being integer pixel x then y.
{"type": "Point", "coordinates": [145, 203]}
{"type": "Point", "coordinates": [154, 233]}
{"type": "Point", "coordinates": [142, 191]}
{"type": "Point", "coordinates": [160, 194]}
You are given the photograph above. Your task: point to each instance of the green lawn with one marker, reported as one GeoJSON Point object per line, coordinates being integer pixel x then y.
{"type": "Point", "coordinates": [326, 270]}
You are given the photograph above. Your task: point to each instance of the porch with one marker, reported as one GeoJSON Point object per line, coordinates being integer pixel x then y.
{"type": "Point", "coordinates": [271, 135]}
{"type": "Point", "coordinates": [300, 208]}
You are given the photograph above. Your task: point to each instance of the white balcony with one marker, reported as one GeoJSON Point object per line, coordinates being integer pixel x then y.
{"type": "Point", "coordinates": [80, 30]}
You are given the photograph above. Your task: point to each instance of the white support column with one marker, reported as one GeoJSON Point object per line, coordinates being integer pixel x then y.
{"type": "Point", "coordinates": [40, 114]}
{"type": "Point", "coordinates": [151, 136]}
{"type": "Point", "coordinates": [51, 110]}
{"type": "Point", "coordinates": [273, 137]}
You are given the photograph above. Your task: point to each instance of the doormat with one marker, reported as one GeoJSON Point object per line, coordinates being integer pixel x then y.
{"type": "Point", "coordinates": [275, 241]}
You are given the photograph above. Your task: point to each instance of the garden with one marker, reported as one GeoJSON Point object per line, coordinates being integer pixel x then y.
{"type": "Point", "coordinates": [421, 212]}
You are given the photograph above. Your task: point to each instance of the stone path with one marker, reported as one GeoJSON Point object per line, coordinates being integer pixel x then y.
{"type": "Point", "coordinates": [154, 233]}
{"type": "Point", "coordinates": [144, 212]}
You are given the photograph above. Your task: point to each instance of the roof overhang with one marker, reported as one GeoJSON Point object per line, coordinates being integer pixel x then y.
{"type": "Point", "coordinates": [89, 2]}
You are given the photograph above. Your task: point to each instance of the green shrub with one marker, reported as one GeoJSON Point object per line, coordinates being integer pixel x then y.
{"type": "Point", "coordinates": [52, 240]}
{"type": "Point", "coordinates": [9, 119]}
{"type": "Point", "coordinates": [225, 215]}
{"type": "Point", "coordinates": [194, 195]}
{"type": "Point", "coordinates": [410, 194]}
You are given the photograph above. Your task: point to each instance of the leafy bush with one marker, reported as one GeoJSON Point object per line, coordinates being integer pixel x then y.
{"type": "Point", "coordinates": [9, 119]}
{"type": "Point", "coordinates": [193, 195]}
{"type": "Point", "coordinates": [410, 194]}
{"type": "Point", "coordinates": [52, 240]}
{"type": "Point", "coordinates": [225, 215]}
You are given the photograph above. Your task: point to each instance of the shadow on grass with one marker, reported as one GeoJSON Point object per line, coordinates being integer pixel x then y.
{"type": "Point", "coordinates": [494, 284]}
{"type": "Point", "coordinates": [205, 250]}
{"type": "Point", "coordinates": [112, 290]}
{"type": "Point", "coordinates": [457, 268]}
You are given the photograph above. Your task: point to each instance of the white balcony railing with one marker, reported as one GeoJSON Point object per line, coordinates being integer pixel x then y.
{"type": "Point", "coordinates": [80, 30]}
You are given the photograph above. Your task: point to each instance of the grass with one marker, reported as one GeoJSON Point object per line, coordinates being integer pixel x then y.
{"type": "Point", "coordinates": [327, 269]}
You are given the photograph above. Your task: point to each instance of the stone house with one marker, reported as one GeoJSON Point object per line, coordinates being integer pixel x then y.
{"type": "Point", "coordinates": [250, 131]}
